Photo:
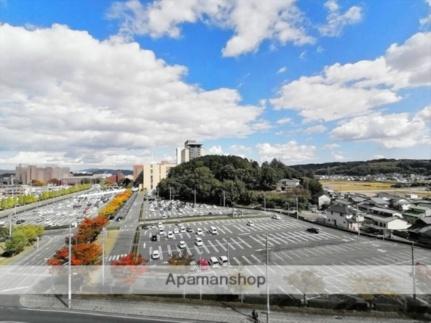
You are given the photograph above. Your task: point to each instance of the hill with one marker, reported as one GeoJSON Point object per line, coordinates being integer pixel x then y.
{"type": "Point", "coordinates": [370, 167]}
{"type": "Point", "coordinates": [243, 181]}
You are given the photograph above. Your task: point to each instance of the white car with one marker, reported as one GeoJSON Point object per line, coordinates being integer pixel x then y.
{"type": "Point", "coordinates": [223, 260]}
{"type": "Point", "coordinates": [182, 229]}
{"type": "Point", "coordinates": [213, 262]}
{"type": "Point", "coordinates": [170, 235]}
{"type": "Point", "coordinates": [199, 242]}
{"type": "Point", "coordinates": [155, 254]}
{"type": "Point", "coordinates": [182, 245]}
{"type": "Point", "coordinates": [176, 230]}
{"type": "Point", "coordinates": [250, 224]}
{"type": "Point", "coordinates": [199, 231]}
{"type": "Point", "coordinates": [276, 217]}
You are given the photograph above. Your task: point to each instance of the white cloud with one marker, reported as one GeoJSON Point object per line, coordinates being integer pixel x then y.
{"type": "Point", "coordinates": [349, 90]}
{"type": "Point", "coordinates": [334, 149]}
{"type": "Point", "coordinates": [252, 21]}
{"type": "Point", "coordinates": [282, 70]}
{"type": "Point", "coordinates": [315, 129]}
{"type": "Point", "coordinates": [396, 130]}
{"type": "Point", "coordinates": [336, 21]}
{"type": "Point", "coordinates": [426, 21]}
{"type": "Point", "coordinates": [63, 91]}
{"type": "Point", "coordinates": [240, 150]}
{"type": "Point", "coordinates": [283, 121]}
{"type": "Point", "coordinates": [289, 153]}
{"type": "Point", "coordinates": [215, 150]}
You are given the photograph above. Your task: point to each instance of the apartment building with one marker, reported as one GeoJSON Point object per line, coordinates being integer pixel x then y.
{"type": "Point", "coordinates": [26, 174]}
{"type": "Point", "coordinates": [152, 174]}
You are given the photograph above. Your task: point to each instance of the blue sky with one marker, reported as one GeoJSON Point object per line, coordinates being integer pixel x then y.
{"type": "Point", "coordinates": [99, 83]}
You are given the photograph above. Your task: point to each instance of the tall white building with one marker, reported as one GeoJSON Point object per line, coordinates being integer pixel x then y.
{"type": "Point", "coordinates": [192, 149]}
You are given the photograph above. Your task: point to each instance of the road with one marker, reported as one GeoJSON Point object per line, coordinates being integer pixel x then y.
{"type": "Point", "coordinates": [127, 230]}
{"type": "Point", "coordinates": [10, 314]}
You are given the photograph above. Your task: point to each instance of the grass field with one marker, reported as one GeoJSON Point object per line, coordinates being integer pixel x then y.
{"type": "Point", "coordinates": [372, 188]}
{"type": "Point", "coordinates": [350, 186]}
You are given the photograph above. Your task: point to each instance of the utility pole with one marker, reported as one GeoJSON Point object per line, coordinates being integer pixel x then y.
{"type": "Point", "coordinates": [297, 210]}
{"type": "Point", "coordinates": [69, 295]}
{"type": "Point", "coordinates": [194, 198]}
{"type": "Point", "coordinates": [103, 255]}
{"type": "Point", "coordinates": [224, 199]}
{"type": "Point", "coordinates": [414, 270]}
{"type": "Point", "coordinates": [170, 193]}
{"type": "Point", "coordinates": [228, 257]}
{"type": "Point", "coordinates": [267, 282]}
{"type": "Point", "coordinates": [264, 202]}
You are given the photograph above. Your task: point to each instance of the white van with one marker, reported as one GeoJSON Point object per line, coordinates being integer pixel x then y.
{"type": "Point", "coordinates": [213, 262]}
{"type": "Point", "coordinates": [213, 230]}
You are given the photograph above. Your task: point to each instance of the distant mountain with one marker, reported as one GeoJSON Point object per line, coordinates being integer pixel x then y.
{"type": "Point", "coordinates": [6, 171]}
{"type": "Point", "coordinates": [105, 171]}
{"type": "Point", "coordinates": [370, 167]}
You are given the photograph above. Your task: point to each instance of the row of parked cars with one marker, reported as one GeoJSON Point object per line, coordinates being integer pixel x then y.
{"type": "Point", "coordinates": [174, 208]}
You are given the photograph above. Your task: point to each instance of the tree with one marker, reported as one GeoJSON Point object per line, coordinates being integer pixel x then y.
{"type": "Point", "coordinates": [36, 182]}
{"type": "Point", "coordinates": [304, 281]}
{"type": "Point", "coordinates": [180, 260]}
{"type": "Point", "coordinates": [15, 244]}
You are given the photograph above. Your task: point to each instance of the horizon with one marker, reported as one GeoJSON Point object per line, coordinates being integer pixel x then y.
{"type": "Point", "coordinates": [117, 83]}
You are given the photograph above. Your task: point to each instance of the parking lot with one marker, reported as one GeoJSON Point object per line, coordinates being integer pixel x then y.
{"type": "Point", "coordinates": [61, 213]}
{"type": "Point", "coordinates": [164, 209]}
{"type": "Point", "coordinates": [289, 243]}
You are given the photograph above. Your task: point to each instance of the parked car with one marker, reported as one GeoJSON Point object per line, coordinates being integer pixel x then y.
{"type": "Point", "coordinates": [155, 254]}
{"type": "Point", "coordinates": [223, 260]}
{"type": "Point", "coordinates": [213, 230]}
{"type": "Point", "coordinates": [199, 231]}
{"type": "Point", "coordinates": [170, 235]}
{"type": "Point", "coordinates": [199, 242]}
{"type": "Point", "coordinates": [154, 237]}
{"type": "Point", "coordinates": [189, 229]}
{"type": "Point", "coordinates": [250, 223]}
{"type": "Point", "coordinates": [182, 244]}
{"type": "Point", "coordinates": [276, 217]}
{"type": "Point", "coordinates": [213, 262]}
{"type": "Point", "coordinates": [313, 230]}
{"type": "Point", "coordinates": [176, 230]}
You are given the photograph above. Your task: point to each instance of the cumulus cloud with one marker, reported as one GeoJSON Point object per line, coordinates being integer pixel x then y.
{"type": "Point", "coordinates": [289, 153]}
{"type": "Point", "coordinates": [252, 21]}
{"type": "Point", "coordinates": [426, 21]}
{"type": "Point", "coordinates": [215, 150]}
{"type": "Point", "coordinates": [336, 21]}
{"type": "Point", "coordinates": [240, 150]}
{"type": "Point", "coordinates": [353, 89]}
{"type": "Point", "coordinates": [63, 91]}
{"type": "Point", "coordinates": [283, 121]}
{"type": "Point", "coordinates": [396, 130]}
{"type": "Point", "coordinates": [315, 129]}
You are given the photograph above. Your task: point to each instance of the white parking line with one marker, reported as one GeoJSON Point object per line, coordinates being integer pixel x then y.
{"type": "Point", "coordinates": [221, 245]}
{"type": "Point", "coordinates": [169, 250]}
{"type": "Point", "coordinates": [197, 250]}
{"type": "Point", "coordinates": [255, 258]}
{"type": "Point", "coordinates": [239, 246]}
{"type": "Point", "coordinates": [206, 249]}
{"type": "Point", "coordinates": [161, 252]}
{"type": "Point", "coordinates": [213, 246]}
{"type": "Point", "coordinates": [229, 244]}
{"type": "Point", "coordinates": [246, 259]}
{"type": "Point", "coordinates": [236, 260]}
{"type": "Point", "coordinates": [248, 245]}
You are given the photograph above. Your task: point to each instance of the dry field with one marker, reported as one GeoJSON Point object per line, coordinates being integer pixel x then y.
{"type": "Point", "coordinates": [370, 188]}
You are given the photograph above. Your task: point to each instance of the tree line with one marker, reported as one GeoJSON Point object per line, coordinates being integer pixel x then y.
{"type": "Point", "coordinates": [236, 180]}
{"type": "Point", "coordinates": [24, 199]}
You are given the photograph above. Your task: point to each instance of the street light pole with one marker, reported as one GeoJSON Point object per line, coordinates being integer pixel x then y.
{"type": "Point", "coordinates": [267, 282]}
{"type": "Point", "coordinates": [264, 202]}
{"type": "Point", "coordinates": [228, 257]}
{"type": "Point", "coordinates": [170, 193]}
{"type": "Point", "coordinates": [414, 270]}
{"type": "Point", "coordinates": [194, 198]}
{"type": "Point", "coordinates": [103, 255]}
{"type": "Point", "coordinates": [224, 199]}
{"type": "Point", "coordinates": [69, 295]}
{"type": "Point", "coordinates": [297, 210]}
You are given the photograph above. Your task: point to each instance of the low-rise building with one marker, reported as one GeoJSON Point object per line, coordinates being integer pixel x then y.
{"type": "Point", "coordinates": [416, 212]}
{"type": "Point", "coordinates": [342, 214]}
{"type": "Point", "coordinates": [385, 225]}
{"type": "Point", "coordinates": [286, 184]}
